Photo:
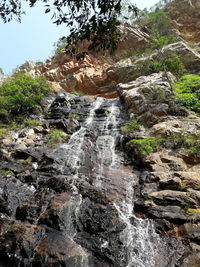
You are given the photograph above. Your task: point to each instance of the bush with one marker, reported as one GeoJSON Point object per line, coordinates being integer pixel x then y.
{"type": "Point", "coordinates": [56, 136]}
{"type": "Point", "coordinates": [21, 93]}
{"type": "Point", "coordinates": [32, 123]}
{"type": "Point", "coordinates": [189, 142]}
{"type": "Point", "coordinates": [158, 41]}
{"type": "Point", "coordinates": [130, 126]}
{"type": "Point", "coordinates": [165, 61]}
{"type": "Point", "coordinates": [158, 22]}
{"type": "Point", "coordinates": [188, 92]}
{"type": "Point", "coordinates": [145, 146]}
{"type": "Point", "coordinates": [60, 45]}
{"type": "Point", "coordinates": [161, 30]}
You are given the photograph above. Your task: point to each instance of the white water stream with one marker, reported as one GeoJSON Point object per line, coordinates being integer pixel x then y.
{"type": "Point", "coordinates": [139, 238]}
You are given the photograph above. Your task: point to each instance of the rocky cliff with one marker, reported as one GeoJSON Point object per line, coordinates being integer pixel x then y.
{"type": "Point", "coordinates": [110, 178]}
{"type": "Point", "coordinates": [185, 15]}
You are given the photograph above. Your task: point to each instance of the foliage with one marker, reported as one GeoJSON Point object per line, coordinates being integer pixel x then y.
{"type": "Point", "coordinates": [189, 142]}
{"type": "Point", "coordinates": [3, 132]}
{"type": "Point", "coordinates": [32, 123]}
{"type": "Point", "coordinates": [158, 22]}
{"type": "Point", "coordinates": [158, 41]}
{"type": "Point", "coordinates": [160, 28]}
{"type": "Point", "coordinates": [21, 93]}
{"type": "Point", "coordinates": [146, 146]}
{"type": "Point", "coordinates": [95, 21]}
{"type": "Point", "coordinates": [77, 93]}
{"type": "Point", "coordinates": [56, 136]}
{"type": "Point", "coordinates": [60, 45]}
{"type": "Point", "coordinates": [6, 172]}
{"type": "Point", "coordinates": [130, 126]}
{"type": "Point", "coordinates": [192, 214]}
{"type": "Point", "coordinates": [188, 92]}
{"type": "Point", "coordinates": [165, 61]}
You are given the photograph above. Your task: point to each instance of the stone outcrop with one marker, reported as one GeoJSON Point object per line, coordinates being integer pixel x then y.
{"type": "Point", "coordinates": [88, 76]}
{"type": "Point", "coordinates": [129, 69]}
{"type": "Point", "coordinates": [96, 196]}
{"type": "Point", "coordinates": [70, 203]}
{"type": "Point", "coordinates": [185, 16]}
{"type": "Point", "coordinates": [170, 183]}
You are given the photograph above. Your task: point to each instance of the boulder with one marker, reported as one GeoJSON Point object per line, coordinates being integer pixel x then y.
{"type": "Point", "coordinates": [147, 94]}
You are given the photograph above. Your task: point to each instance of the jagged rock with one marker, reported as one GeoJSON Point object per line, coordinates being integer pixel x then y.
{"type": "Point", "coordinates": [170, 197]}
{"type": "Point", "coordinates": [190, 57]}
{"type": "Point", "coordinates": [128, 70]}
{"type": "Point", "coordinates": [171, 213]}
{"type": "Point", "coordinates": [187, 25]}
{"type": "Point", "coordinates": [88, 75]}
{"type": "Point", "coordinates": [163, 161]}
{"type": "Point", "coordinates": [190, 230]}
{"type": "Point", "coordinates": [20, 239]}
{"type": "Point", "coordinates": [141, 96]}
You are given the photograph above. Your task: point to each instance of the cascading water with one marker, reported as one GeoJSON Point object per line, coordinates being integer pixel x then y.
{"type": "Point", "coordinates": [91, 155]}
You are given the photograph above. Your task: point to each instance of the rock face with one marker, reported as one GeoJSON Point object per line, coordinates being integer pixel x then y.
{"type": "Point", "coordinates": [185, 18]}
{"type": "Point", "coordinates": [130, 69]}
{"type": "Point", "coordinates": [88, 76]}
{"type": "Point", "coordinates": [78, 191]}
{"type": "Point", "coordinates": [169, 183]}
{"type": "Point", "coordinates": [71, 203]}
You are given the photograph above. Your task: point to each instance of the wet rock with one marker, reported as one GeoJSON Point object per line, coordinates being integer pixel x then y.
{"type": "Point", "coordinates": [18, 244]}
{"type": "Point", "coordinates": [175, 198]}
{"type": "Point", "coordinates": [60, 214]}
{"type": "Point", "coordinates": [57, 249]}
{"type": "Point", "coordinates": [14, 192]}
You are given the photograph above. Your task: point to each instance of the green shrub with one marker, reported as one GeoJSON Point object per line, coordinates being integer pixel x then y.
{"type": "Point", "coordinates": [6, 172]}
{"type": "Point", "coordinates": [21, 93]}
{"type": "Point", "coordinates": [130, 126]}
{"type": "Point", "coordinates": [56, 136]}
{"type": "Point", "coordinates": [189, 142]}
{"type": "Point", "coordinates": [158, 41]}
{"type": "Point", "coordinates": [32, 123]}
{"type": "Point", "coordinates": [77, 93]}
{"type": "Point", "coordinates": [60, 45]}
{"type": "Point", "coordinates": [146, 146]}
{"type": "Point", "coordinates": [159, 22]}
{"type": "Point", "coordinates": [3, 132]}
{"type": "Point", "coordinates": [165, 61]}
{"type": "Point", "coordinates": [188, 92]}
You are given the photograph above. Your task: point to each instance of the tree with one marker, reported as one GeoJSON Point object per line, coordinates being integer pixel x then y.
{"type": "Point", "coordinates": [92, 20]}
{"type": "Point", "coordinates": [1, 72]}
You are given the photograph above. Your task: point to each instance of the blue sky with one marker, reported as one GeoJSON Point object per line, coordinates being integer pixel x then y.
{"type": "Point", "coordinates": [33, 38]}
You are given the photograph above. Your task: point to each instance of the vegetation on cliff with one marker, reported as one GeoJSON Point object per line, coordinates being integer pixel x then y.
{"type": "Point", "coordinates": [21, 93]}
{"type": "Point", "coordinates": [188, 92]}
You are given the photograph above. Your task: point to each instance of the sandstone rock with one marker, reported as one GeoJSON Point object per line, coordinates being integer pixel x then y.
{"type": "Point", "coordinates": [190, 230]}
{"type": "Point", "coordinates": [163, 161]}
{"type": "Point", "coordinates": [189, 56]}
{"type": "Point", "coordinates": [129, 70]}
{"type": "Point", "coordinates": [167, 128]}
{"type": "Point", "coordinates": [189, 179]}
{"type": "Point", "coordinates": [89, 75]}
{"type": "Point", "coordinates": [172, 126]}
{"type": "Point", "coordinates": [138, 94]}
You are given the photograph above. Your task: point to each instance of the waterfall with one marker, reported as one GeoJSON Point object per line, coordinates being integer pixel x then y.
{"type": "Point", "coordinates": [91, 156]}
